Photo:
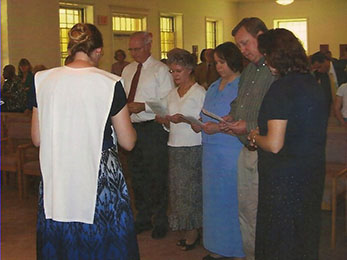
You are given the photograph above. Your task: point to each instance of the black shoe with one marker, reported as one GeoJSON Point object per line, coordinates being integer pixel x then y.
{"type": "Point", "coordinates": [140, 227]}
{"type": "Point", "coordinates": [187, 247]}
{"type": "Point", "coordinates": [159, 232]}
{"type": "Point", "coordinates": [181, 242]}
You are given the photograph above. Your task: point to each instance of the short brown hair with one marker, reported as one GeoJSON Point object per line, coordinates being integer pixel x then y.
{"type": "Point", "coordinates": [319, 57]}
{"type": "Point", "coordinates": [229, 52]}
{"type": "Point", "coordinates": [283, 51]}
{"type": "Point", "coordinates": [84, 37]}
{"type": "Point", "coordinates": [253, 25]}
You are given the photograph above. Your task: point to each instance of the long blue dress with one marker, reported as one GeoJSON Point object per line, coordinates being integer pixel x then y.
{"type": "Point", "coordinates": [221, 227]}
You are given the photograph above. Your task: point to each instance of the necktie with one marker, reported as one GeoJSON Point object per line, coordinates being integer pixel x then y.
{"type": "Point", "coordinates": [134, 83]}
{"type": "Point", "coordinates": [332, 86]}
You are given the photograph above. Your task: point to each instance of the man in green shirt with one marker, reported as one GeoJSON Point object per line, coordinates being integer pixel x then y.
{"type": "Point", "coordinates": [255, 80]}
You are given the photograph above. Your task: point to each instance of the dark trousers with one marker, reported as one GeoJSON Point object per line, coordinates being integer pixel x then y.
{"type": "Point", "coordinates": [148, 166]}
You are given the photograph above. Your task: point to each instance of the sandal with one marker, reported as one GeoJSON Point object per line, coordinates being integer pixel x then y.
{"type": "Point", "coordinates": [187, 247]}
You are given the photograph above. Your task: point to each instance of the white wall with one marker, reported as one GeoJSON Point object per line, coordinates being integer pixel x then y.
{"type": "Point", "coordinates": [32, 25]}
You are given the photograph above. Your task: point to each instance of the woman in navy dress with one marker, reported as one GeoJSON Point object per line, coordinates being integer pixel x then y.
{"type": "Point", "coordinates": [291, 145]}
{"type": "Point", "coordinates": [221, 227]}
{"type": "Point", "coordinates": [84, 208]}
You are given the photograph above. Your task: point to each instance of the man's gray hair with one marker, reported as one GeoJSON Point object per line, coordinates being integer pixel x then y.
{"type": "Point", "coordinates": [147, 36]}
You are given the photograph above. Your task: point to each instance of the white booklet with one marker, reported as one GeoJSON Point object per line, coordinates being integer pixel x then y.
{"type": "Point", "coordinates": [193, 120]}
{"type": "Point", "coordinates": [214, 116]}
{"type": "Point", "coordinates": [157, 107]}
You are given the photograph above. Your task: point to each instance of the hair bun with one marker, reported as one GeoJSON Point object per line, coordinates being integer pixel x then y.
{"type": "Point", "coordinates": [79, 33]}
{"type": "Point", "coordinates": [84, 37]}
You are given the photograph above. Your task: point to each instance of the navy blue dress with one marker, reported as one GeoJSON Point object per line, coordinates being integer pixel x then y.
{"type": "Point", "coordinates": [112, 235]}
{"type": "Point", "coordinates": [291, 181]}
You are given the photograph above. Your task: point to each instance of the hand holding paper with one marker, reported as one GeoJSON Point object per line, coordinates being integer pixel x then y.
{"type": "Point", "coordinates": [212, 115]}
{"type": "Point", "coordinates": [157, 107]}
{"type": "Point", "coordinates": [193, 120]}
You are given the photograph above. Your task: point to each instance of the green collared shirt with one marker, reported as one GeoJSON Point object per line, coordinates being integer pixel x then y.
{"type": "Point", "coordinates": [255, 81]}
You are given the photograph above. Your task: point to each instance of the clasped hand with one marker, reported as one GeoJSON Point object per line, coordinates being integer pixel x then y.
{"type": "Point", "coordinates": [251, 137]}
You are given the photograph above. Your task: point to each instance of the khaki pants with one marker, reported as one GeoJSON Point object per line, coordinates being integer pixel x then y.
{"type": "Point", "coordinates": [248, 198]}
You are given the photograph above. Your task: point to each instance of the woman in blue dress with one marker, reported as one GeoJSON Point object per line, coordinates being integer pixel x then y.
{"type": "Point", "coordinates": [221, 227]}
{"type": "Point", "coordinates": [84, 208]}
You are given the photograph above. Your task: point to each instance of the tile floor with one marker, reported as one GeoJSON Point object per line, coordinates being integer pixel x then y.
{"type": "Point", "coordinates": [18, 229]}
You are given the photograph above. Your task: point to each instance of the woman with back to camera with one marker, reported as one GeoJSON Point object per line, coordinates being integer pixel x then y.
{"type": "Point", "coordinates": [291, 145]}
{"type": "Point", "coordinates": [84, 209]}
{"type": "Point", "coordinates": [185, 176]}
{"type": "Point", "coordinates": [221, 226]}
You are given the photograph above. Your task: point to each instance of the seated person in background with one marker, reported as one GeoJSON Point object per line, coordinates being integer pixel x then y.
{"type": "Point", "coordinates": [12, 94]}
{"type": "Point", "coordinates": [340, 105]}
{"type": "Point", "coordinates": [25, 73]}
{"type": "Point", "coordinates": [206, 73]}
{"type": "Point", "coordinates": [38, 68]}
{"type": "Point", "coordinates": [118, 66]}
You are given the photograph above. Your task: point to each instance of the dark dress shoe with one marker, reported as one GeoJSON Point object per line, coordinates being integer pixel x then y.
{"type": "Point", "coordinates": [140, 227]}
{"type": "Point", "coordinates": [159, 232]}
{"type": "Point", "coordinates": [181, 242]}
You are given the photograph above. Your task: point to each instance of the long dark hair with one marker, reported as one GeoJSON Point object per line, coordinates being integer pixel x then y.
{"type": "Point", "coordinates": [23, 62]}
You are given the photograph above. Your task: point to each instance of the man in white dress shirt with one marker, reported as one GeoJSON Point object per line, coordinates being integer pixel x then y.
{"type": "Point", "coordinates": [148, 161]}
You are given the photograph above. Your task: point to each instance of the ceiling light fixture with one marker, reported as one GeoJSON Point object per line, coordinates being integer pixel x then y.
{"type": "Point", "coordinates": [284, 2]}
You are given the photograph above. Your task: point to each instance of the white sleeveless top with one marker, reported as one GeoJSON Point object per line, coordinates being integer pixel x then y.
{"type": "Point", "coordinates": [73, 107]}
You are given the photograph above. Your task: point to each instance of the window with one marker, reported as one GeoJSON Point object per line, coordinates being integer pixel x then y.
{"type": "Point", "coordinates": [214, 32]}
{"type": "Point", "coordinates": [68, 17]}
{"type": "Point", "coordinates": [124, 23]}
{"type": "Point", "coordinates": [211, 34]}
{"type": "Point", "coordinates": [297, 26]}
{"type": "Point", "coordinates": [167, 35]}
